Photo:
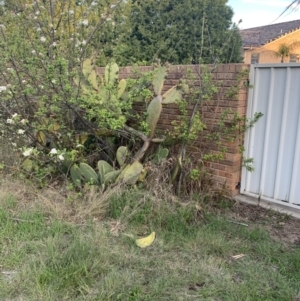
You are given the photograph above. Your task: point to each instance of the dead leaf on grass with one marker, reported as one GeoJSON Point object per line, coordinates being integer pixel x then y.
{"type": "Point", "coordinates": [239, 256]}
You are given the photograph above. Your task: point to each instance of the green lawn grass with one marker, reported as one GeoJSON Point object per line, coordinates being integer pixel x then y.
{"type": "Point", "coordinates": [45, 258]}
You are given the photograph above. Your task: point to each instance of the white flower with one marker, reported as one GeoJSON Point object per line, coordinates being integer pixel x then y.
{"type": "Point", "coordinates": [2, 88]}
{"type": "Point", "coordinates": [61, 157]}
{"type": "Point", "coordinates": [14, 144]}
{"type": "Point", "coordinates": [93, 3]}
{"type": "Point", "coordinates": [41, 86]}
{"type": "Point", "coordinates": [20, 132]}
{"type": "Point", "coordinates": [53, 81]}
{"type": "Point", "coordinates": [23, 81]}
{"type": "Point", "coordinates": [33, 52]}
{"type": "Point", "coordinates": [23, 121]}
{"type": "Point", "coordinates": [10, 121]}
{"type": "Point", "coordinates": [39, 29]}
{"type": "Point", "coordinates": [85, 22]}
{"type": "Point", "coordinates": [28, 152]}
{"type": "Point", "coordinates": [43, 39]}
{"type": "Point", "coordinates": [82, 43]}
{"type": "Point", "coordinates": [14, 115]}
{"type": "Point", "coordinates": [37, 13]}
{"type": "Point", "coordinates": [54, 44]}
{"type": "Point", "coordinates": [53, 151]}
{"type": "Point", "coordinates": [71, 12]}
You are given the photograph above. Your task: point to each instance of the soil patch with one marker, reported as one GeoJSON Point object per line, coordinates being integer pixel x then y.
{"type": "Point", "coordinates": [282, 227]}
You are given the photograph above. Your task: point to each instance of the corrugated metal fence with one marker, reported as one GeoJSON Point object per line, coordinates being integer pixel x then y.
{"type": "Point", "coordinates": [274, 141]}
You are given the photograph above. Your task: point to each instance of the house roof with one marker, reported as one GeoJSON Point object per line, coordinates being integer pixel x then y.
{"type": "Point", "coordinates": [257, 36]}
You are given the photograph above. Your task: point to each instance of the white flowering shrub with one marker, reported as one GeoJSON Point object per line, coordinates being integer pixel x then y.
{"type": "Point", "coordinates": [43, 110]}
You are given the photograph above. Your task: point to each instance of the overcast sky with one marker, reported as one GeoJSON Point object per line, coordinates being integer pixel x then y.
{"type": "Point", "coordinates": [261, 12]}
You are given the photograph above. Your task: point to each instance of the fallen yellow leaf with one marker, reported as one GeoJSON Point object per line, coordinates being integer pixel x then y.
{"type": "Point", "coordinates": [145, 241]}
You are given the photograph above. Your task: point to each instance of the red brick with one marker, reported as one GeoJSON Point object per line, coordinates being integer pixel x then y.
{"type": "Point", "coordinates": [225, 172]}
{"type": "Point", "coordinates": [218, 166]}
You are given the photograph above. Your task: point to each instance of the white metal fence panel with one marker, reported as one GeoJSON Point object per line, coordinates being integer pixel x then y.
{"type": "Point", "coordinates": [274, 141]}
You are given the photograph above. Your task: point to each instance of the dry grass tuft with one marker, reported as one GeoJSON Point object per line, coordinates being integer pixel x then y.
{"type": "Point", "coordinates": [158, 180]}
{"type": "Point", "coordinates": [59, 202]}
{"type": "Point", "coordinates": [197, 183]}
{"type": "Point", "coordinates": [22, 192]}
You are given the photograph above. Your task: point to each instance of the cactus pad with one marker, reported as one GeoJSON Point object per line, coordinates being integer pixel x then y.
{"type": "Point", "coordinates": [122, 154]}
{"type": "Point", "coordinates": [160, 155]}
{"type": "Point", "coordinates": [158, 80]}
{"type": "Point", "coordinates": [88, 175]}
{"type": "Point", "coordinates": [121, 87]}
{"type": "Point", "coordinates": [103, 168]}
{"type": "Point", "coordinates": [111, 73]}
{"type": "Point", "coordinates": [172, 95]}
{"type": "Point", "coordinates": [130, 174]}
{"type": "Point", "coordinates": [153, 111]}
{"type": "Point", "coordinates": [76, 175]}
{"type": "Point", "coordinates": [111, 177]}
{"type": "Point", "coordinates": [90, 73]}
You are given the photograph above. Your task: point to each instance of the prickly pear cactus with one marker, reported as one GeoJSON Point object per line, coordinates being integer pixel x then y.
{"type": "Point", "coordinates": [121, 87]}
{"type": "Point", "coordinates": [172, 95]}
{"type": "Point", "coordinates": [111, 73]}
{"type": "Point", "coordinates": [111, 177]}
{"type": "Point", "coordinates": [155, 107]}
{"type": "Point", "coordinates": [160, 155]}
{"type": "Point", "coordinates": [154, 110]}
{"type": "Point", "coordinates": [130, 174]}
{"type": "Point", "coordinates": [90, 73]}
{"type": "Point", "coordinates": [103, 168]}
{"type": "Point", "coordinates": [158, 80]}
{"type": "Point", "coordinates": [88, 174]}
{"type": "Point", "coordinates": [76, 175]}
{"type": "Point", "coordinates": [122, 154]}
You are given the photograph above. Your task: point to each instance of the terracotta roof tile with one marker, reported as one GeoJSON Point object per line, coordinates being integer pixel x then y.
{"type": "Point", "coordinates": [261, 35]}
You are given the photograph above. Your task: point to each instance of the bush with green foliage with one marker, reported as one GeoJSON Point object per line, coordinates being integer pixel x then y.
{"type": "Point", "coordinates": [56, 108]}
{"type": "Point", "coordinates": [64, 118]}
{"type": "Point", "coordinates": [175, 31]}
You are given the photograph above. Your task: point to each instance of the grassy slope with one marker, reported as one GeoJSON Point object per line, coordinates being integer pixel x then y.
{"type": "Point", "coordinates": [44, 258]}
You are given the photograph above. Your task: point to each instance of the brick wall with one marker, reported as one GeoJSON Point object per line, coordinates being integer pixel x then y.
{"type": "Point", "coordinates": [228, 171]}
